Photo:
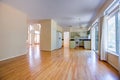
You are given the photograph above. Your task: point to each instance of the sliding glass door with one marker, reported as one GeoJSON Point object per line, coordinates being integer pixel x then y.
{"type": "Point", "coordinates": [96, 38]}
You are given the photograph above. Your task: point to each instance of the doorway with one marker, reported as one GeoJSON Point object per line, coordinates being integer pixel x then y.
{"type": "Point", "coordinates": [34, 34]}
{"type": "Point", "coordinates": [66, 39]}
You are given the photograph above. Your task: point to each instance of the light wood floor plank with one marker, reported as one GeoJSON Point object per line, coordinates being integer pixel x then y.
{"type": "Point", "coordinates": [61, 64]}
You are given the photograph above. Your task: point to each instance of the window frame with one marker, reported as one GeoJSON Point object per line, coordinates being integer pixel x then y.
{"type": "Point", "coordinates": [110, 50]}
{"type": "Point", "coordinates": [116, 33]}
{"type": "Point", "coordinates": [112, 10]}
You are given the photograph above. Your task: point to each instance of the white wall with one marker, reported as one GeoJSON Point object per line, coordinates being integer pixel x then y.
{"type": "Point", "coordinates": [45, 37]}
{"type": "Point", "coordinates": [59, 28]}
{"type": "Point", "coordinates": [113, 60]}
{"type": "Point", "coordinates": [53, 35]}
{"type": "Point", "coordinates": [13, 32]}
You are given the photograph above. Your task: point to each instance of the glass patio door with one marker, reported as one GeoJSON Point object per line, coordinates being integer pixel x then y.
{"type": "Point", "coordinates": [96, 38]}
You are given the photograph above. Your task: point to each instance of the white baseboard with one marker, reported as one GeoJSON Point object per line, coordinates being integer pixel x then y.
{"type": "Point", "coordinates": [13, 56]}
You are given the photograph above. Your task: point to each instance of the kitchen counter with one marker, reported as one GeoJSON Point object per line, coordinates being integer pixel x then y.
{"type": "Point", "coordinates": [81, 39]}
{"type": "Point", "coordinates": [81, 42]}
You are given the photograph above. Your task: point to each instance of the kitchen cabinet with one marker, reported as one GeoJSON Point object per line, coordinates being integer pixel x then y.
{"type": "Point", "coordinates": [87, 44]}
{"type": "Point", "coordinates": [72, 44]}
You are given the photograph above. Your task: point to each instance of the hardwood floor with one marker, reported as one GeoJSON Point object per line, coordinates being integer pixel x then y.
{"type": "Point", "coordinates": [62, 64]}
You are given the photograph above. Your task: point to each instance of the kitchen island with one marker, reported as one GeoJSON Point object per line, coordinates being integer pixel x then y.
{"type": "Point", "coordinates": [82, 42]}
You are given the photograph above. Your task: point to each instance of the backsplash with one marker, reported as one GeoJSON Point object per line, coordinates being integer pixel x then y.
{"type": "Point", "coordinates": [82, 34]}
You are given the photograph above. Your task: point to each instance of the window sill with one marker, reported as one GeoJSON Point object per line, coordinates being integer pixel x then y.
{"type": "Point", "coordinates": [110, 52]}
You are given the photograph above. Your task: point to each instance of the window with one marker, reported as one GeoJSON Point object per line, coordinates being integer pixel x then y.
{"type": "Point", "coordinates": [112, 34]}
{"type": "Point", "coordinates": [113, 41]}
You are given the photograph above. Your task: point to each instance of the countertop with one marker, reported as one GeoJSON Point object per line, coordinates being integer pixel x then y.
{"type": "Point", "coordinates": [81, 39]}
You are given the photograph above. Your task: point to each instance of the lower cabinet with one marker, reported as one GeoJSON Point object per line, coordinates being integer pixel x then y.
{"type": "Point", "coordinates": [87, 44]}
{"type": "Point", "coordinates": [72, 44]}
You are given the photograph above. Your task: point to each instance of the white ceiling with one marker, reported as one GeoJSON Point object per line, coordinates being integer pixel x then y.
{"type": "Point", "coordinates": [64, 12]}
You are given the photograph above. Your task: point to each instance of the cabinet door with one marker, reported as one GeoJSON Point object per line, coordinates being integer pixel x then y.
{"type": "Point", "coordinates": [87, 44]}
{"type": "Point", "coordinates": [81, 43]}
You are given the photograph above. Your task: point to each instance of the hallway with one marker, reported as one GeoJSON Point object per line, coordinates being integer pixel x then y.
{"type": "Point", "coordinates": [61, 64]}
